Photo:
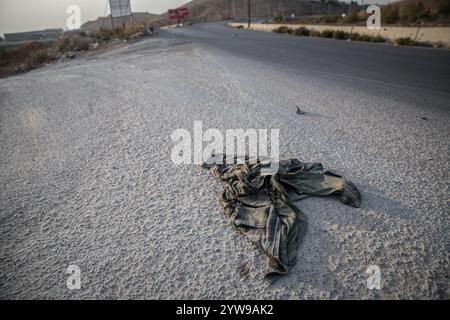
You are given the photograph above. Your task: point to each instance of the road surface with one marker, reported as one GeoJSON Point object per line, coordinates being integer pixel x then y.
{"type": "Point", "coordinates": [364, 63]}
{"type": "Point", "coordinates": [87, 177]}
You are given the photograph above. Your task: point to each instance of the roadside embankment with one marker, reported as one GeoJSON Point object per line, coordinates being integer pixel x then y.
{"type": "Point", "coordinates": [433, 35]}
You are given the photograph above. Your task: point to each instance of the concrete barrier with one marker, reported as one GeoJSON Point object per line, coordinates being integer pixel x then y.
{"type": "Point", "coordinates": [437, 35]}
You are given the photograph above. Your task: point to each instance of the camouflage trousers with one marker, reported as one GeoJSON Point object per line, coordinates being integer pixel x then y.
{"type": "Point", "coordinates": [261, 206]}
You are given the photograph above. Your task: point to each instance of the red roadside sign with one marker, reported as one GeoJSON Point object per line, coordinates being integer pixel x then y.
{"type": "Point", "coordinates": [175, 14]}
{"type": "Point", "coordinates": [183, 12]}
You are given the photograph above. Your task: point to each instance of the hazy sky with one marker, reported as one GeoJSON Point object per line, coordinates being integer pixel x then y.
{"type": "Point", "coordinates": [27, 15]}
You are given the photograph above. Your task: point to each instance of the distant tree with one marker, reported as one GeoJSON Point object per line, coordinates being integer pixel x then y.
{"type": "Point", "coordinates": [390, 14]}
{"type": "Point", "coordinates": [422, 13]}
{"type": "Point", "coordinates": [352, 17]}
{"type": "Point", "coordinates": [412, 12]}
{"type": "Point", "coordinates": [331, 18]}
{"type": "Point", "coordinates": [444, 7]}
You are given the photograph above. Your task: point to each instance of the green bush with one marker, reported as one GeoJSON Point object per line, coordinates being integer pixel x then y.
{"type": "Point", "coordinates": [37, 58]}
{"type": "Point", "coordinates": [405, 41]}
{"type": "Point", "coordinates": [354, 36]}
{"type": "Point", "coordinates": [390, 14]}
{"type": "Point", "coordinates": [315, 33]}
{"type": "Point", "coordinates": [73, 43]}
{"type": "Point", "coordinates": [327, 33]}
{"type": "Point", "coordinates": [127, 33]}
{"type": "Point", "coordinates": [378, 39]}
{"type": "Point", "coordinates": [119, 33]}
{"type": "Point", "coordinates": [302, 31]}
{"type": "Point", "coordinates": [340, 35]}
{"type": "Point", "coordinates": [80, 44]}
{"type": "Point", "coordinates": [63, 44]}
{"type": "Point", "coordinates": [103, 34]}
{"type": "Point", "coordinates": [352, 17]}
{"type": "Point", "coordinates": [364, 37]}
{"type": "Point", "coordinates": [283, 29]}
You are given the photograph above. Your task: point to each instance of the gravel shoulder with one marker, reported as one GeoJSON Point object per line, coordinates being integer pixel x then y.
{"type": "Point", "coordinates": [87, 179]}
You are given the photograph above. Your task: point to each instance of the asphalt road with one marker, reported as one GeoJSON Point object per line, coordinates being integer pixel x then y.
{"type": "Point", "coordinates": [365, 64]}
{"type": "Point", "coordinates": [87, 177]}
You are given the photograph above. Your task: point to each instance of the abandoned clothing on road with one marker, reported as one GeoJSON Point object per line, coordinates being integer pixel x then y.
{"type": "Point", "coordinates": [262, 207]}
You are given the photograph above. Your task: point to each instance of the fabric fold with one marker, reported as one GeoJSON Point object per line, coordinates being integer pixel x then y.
{"type": "Point", "coordinates": [262, 208]}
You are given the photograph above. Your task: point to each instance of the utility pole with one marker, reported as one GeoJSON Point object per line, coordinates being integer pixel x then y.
{"type": "Point", "coordinates": [234, 11]}
{"type": "Point", "coordinates": [249, 12]}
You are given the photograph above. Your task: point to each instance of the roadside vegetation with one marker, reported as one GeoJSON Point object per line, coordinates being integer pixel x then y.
{"type": "Point", "coordinates": [342, 35]}
{"type": "Point", "coordinates": [33, 55]}
{"type": "Point", "coordinates": [415, 12]}
{"type": "Point", "coordinates": [332, 34]}
{"type": "Point", "coordinates": [425, 13]}
{"type": "Point", "coordinates": [120, 34]}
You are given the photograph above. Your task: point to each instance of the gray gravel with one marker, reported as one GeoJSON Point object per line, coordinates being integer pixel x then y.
{"type": "Point", "coordinates": [87, 177]}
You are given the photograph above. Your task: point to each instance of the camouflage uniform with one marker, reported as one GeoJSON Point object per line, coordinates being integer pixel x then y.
{"type": "Point", "coordinates": [262, 208]}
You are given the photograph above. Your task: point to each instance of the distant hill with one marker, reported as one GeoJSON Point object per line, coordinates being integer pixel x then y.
{"type": "Point", "coordinates": [402, 12]}
{"type": "Point", "coordinates": [213, 10]}
{"type": "Point", "coordinates": [105, 22]}
{"type": "Point", "coordinates": [216, 10]}
{"type": "Point", "coordinates": [432, 5]}
{"type": "Point", "coordinates": [417, 12]}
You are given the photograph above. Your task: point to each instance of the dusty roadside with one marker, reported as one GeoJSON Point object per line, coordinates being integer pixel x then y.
{"type": "Point", "coordinates": [88, 179]}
